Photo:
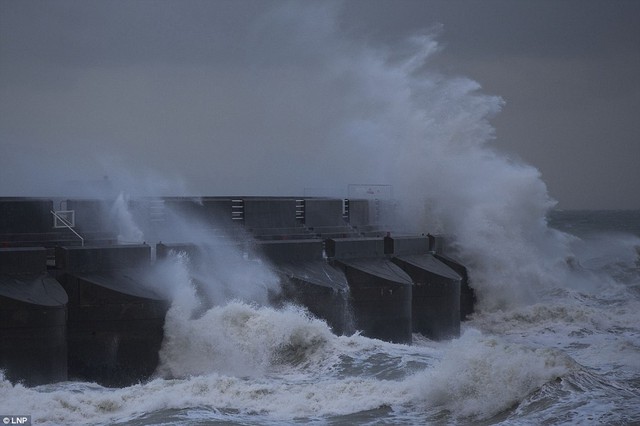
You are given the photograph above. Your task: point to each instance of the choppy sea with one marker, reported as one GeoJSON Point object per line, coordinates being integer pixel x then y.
{"type": "Point", "coordinates": [569, 355]}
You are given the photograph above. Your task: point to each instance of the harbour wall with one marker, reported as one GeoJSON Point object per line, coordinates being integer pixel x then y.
{"type": "Point", "coordinates": [77, 302]}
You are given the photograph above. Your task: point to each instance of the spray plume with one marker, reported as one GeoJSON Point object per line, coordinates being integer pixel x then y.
{"type": "Point", "coordinates": [298, 104]}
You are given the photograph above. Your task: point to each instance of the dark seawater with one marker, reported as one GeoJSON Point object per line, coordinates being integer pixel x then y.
{"type": "Point", "coordinates": [570, 355]}
{"type": "Point", "coordinates": [590, 222]}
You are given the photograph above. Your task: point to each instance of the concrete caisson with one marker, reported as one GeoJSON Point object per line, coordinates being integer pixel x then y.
{"type": "Point", "coordinates": [33, 308]}
{"type": "Point", "coordinates": [436, 287]}
{"type": "Point", "coordinates": [115, 322]}
{"type": "Point", "coordinates": [380, 292]}
{"type": "Point", "coordinates": [467, 293]}
{"type": "Point", "coordinates": [308, 280]}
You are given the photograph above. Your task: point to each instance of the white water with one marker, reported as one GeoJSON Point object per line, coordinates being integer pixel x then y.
{"type": "Point", "coordinates": [572, 358]}
{"type": "Point", "coordinates": [243, 363]}
{"type": "Point", "coordinates": [284, 365]}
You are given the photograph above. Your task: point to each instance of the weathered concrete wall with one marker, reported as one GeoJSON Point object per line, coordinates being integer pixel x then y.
{"type": "Point", "coordinates": [33, 314]}
{"type": "Point", "coordinates": [380, 292]}
{"type": "Point", "coordinates": [25, 216]}
{"type": "Point", "coordinates": [436, 287]}
{"type": "Point", "coordinates": [87, 259]}
{"type": "Point", "coordinates": [270, 213]}
{"type": "Point", "coordinates": [115, 323]}
{"type": "Point", "coordinates": [384, 287]}
{"type": "Point", "coordinates": [308, 280]}
{"type": "Point", "coordinates": [323, 212]}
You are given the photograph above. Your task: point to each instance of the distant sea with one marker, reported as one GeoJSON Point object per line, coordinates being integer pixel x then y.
{"type": "Point", "coordinates": [590, 222]}
{"type": "Point", "coordinates": [571, 356]}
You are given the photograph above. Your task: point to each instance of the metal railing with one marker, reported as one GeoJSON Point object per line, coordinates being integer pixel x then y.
{"type": "Point", "coordinates": [67, 224]}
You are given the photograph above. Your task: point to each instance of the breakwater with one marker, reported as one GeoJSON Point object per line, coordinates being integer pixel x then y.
{"type": "Point", "coordinates": [79, 297]}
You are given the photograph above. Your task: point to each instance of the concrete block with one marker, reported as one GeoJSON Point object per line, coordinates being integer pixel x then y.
{"type": "Point", "coordinates": [349, 248]}
{"type": "Point", "coordinates": [88, 259]}
{"type": "Point", "coordinates": [23, 260]}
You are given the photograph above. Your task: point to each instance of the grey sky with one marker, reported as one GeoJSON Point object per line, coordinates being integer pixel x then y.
{"type": "Point", "coordinates": [258, 97]}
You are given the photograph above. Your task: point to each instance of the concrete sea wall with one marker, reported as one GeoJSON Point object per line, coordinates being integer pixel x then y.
{"type": "Point", "coordinates": [76, 301]}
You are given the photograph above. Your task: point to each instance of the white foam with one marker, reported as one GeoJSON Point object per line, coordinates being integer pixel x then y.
{"type": "Point", "coordinates": [481, 376]}
{"type": "Point", "coordinates": [258, 369]}
{"type": "Point", "coordinates": [238, 339]}
{"type": "Point", "coordinates": [598, 331]}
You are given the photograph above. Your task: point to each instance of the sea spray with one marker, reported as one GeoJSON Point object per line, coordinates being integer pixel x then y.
{"type": "Point", "coordinates": [492, 207]}
{"type": "Point", "coordinates": [219, 271]}
{"type": "Point", "coordinates": [429, 136]}
{"type": "Point", "coordinates": [238, 339]}
{"type": "Point", "coordinates": [280, 365]}
{"type": "Point", "coordinates": [128, 230]}
{"type": "Point", "coordinates": [481, 376]}
{"type": "Point", "coordinates": [223, 265]}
